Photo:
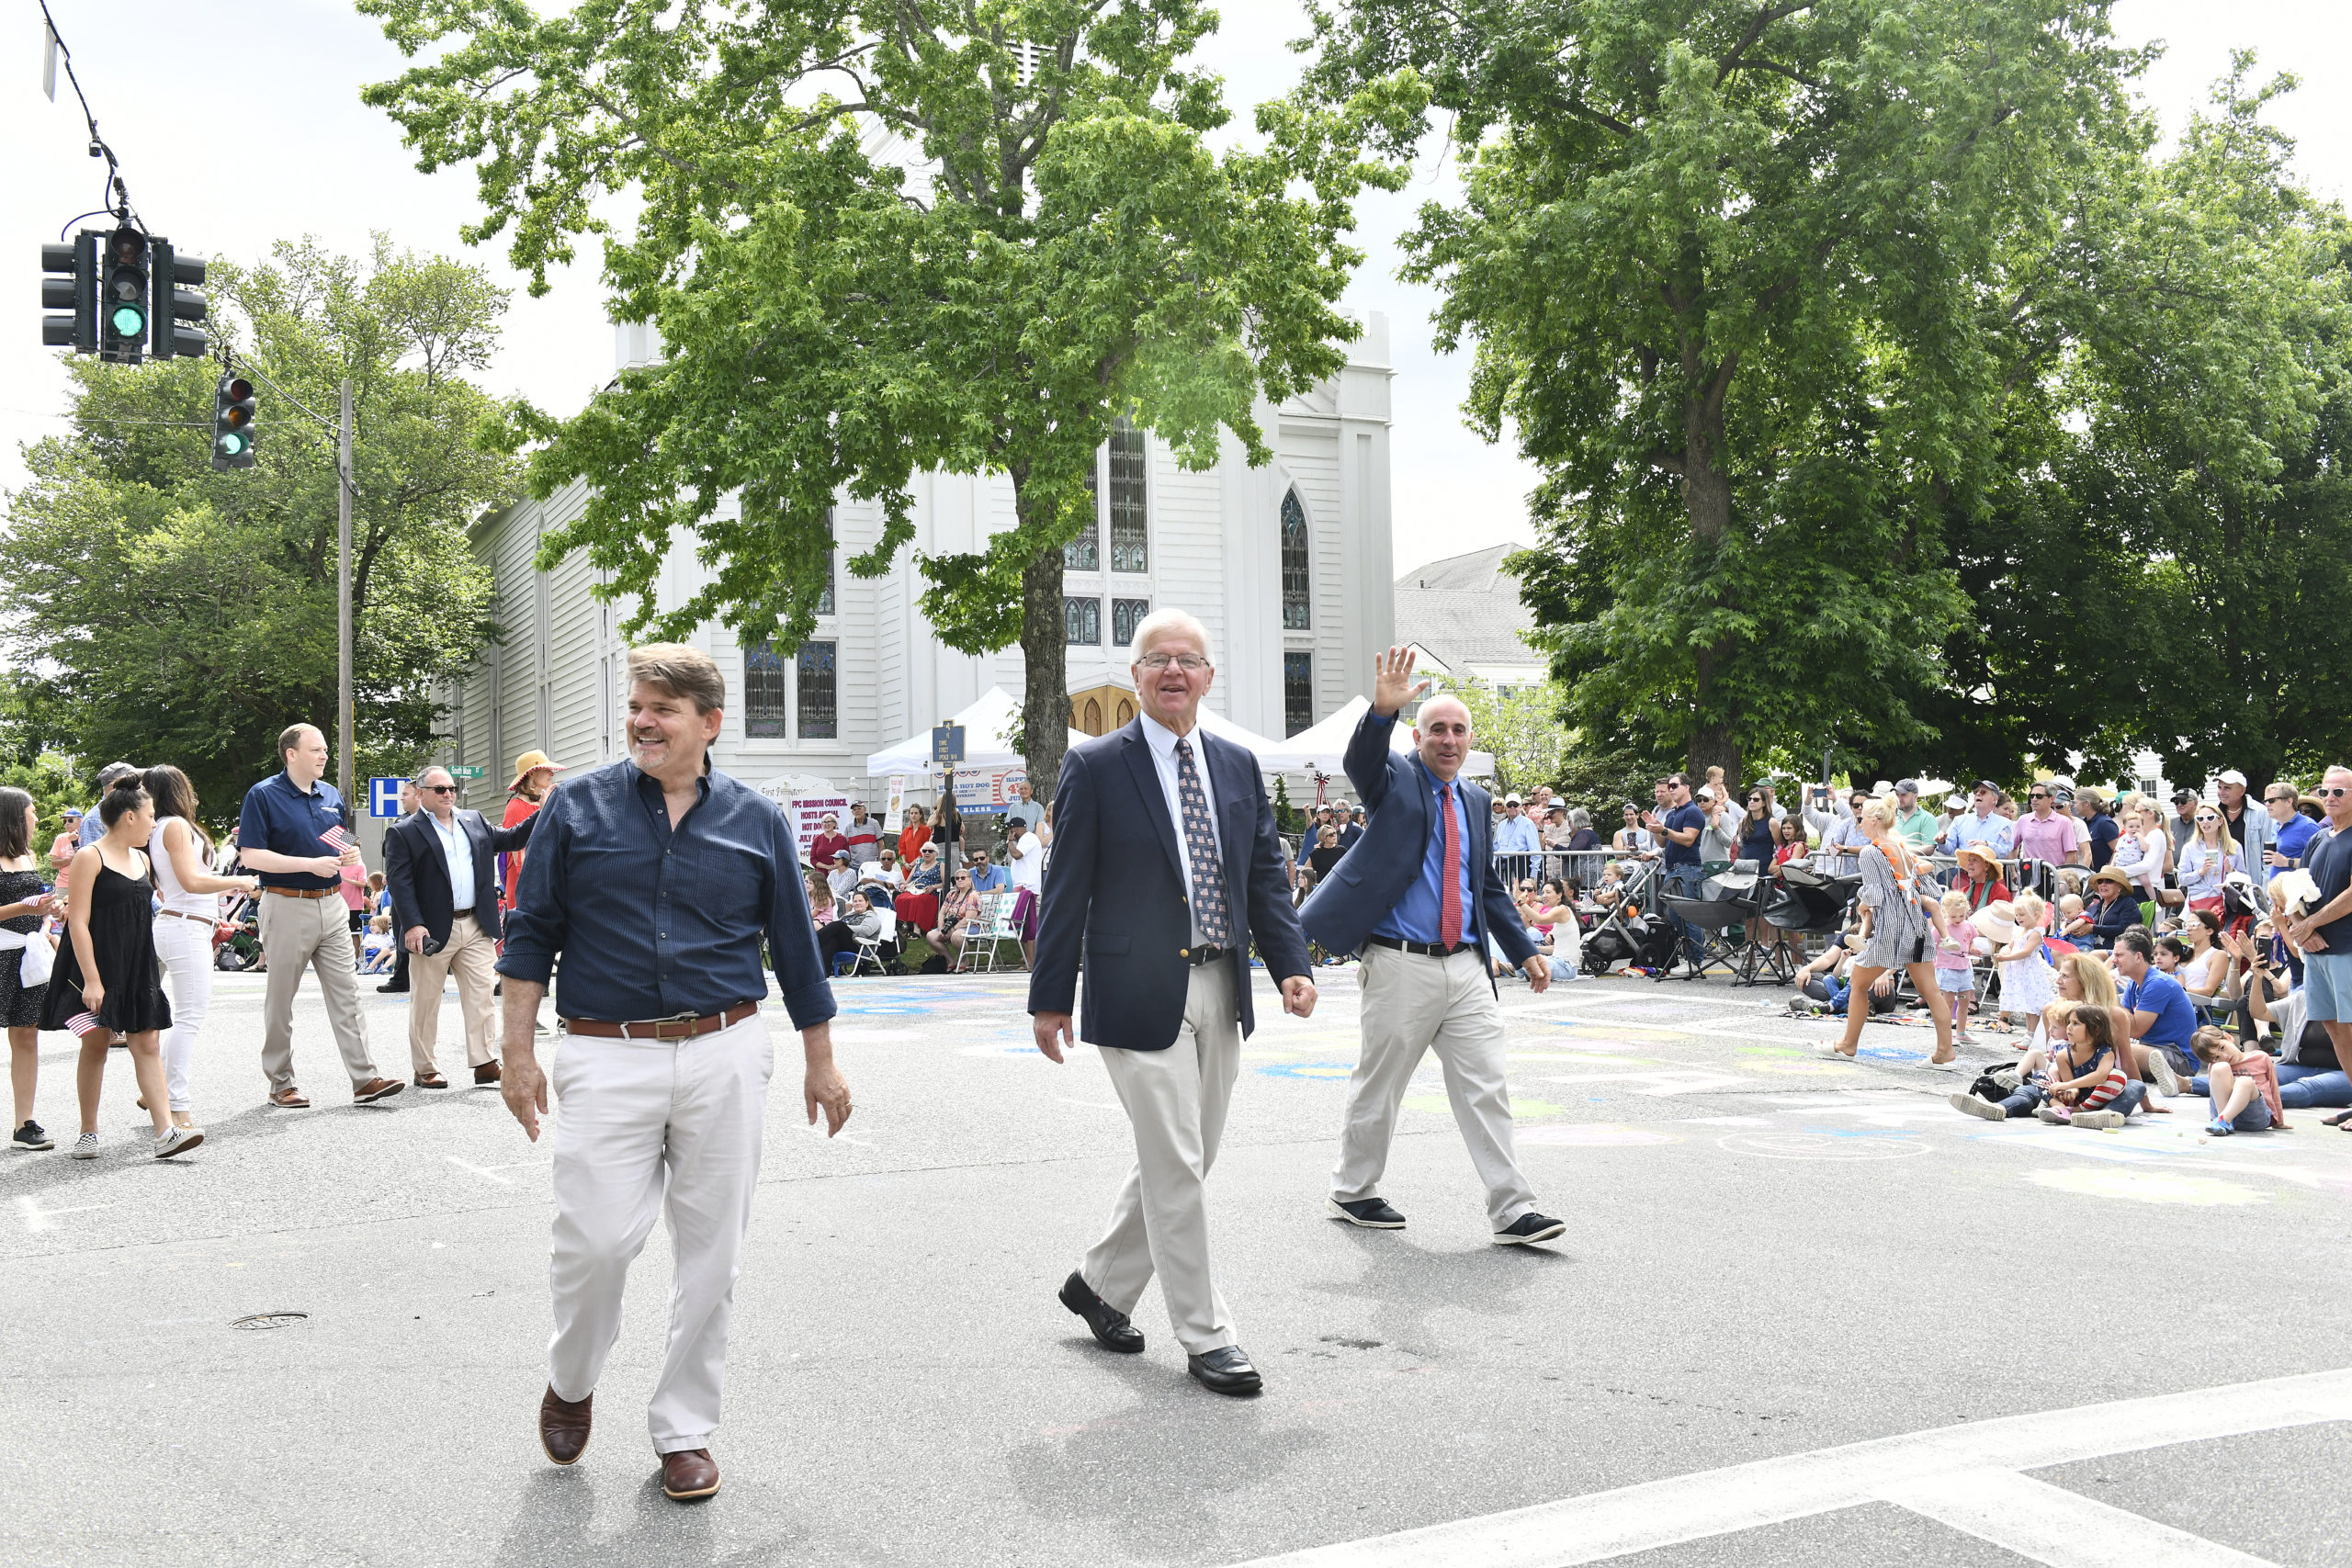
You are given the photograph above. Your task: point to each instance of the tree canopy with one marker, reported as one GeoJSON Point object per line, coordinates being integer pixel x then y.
{"type": "Point", "coordinates": [885, 236]}
{"type": "Point", "coordinates": [168, 613]}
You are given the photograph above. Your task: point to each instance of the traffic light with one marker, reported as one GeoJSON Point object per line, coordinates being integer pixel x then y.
{"type": "Point", "coordinates": [174, 304]}
{"type": "Point", "coordinates": [233, 423]}
{"type": "Point", "coordinates": [122, 296]}
{"type": "Point", "coordinates": [70, 283]}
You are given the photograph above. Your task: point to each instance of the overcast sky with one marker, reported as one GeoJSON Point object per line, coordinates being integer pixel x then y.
{"type": "Point", "coordinates": [241, 126]}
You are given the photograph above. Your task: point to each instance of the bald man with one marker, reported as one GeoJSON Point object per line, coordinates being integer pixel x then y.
{"type": "Point", "coordinates": [1420, 897]}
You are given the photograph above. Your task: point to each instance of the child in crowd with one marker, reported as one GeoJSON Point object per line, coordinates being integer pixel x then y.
{"type": "Point", "coordinates": [2243, 1086]}
{"type": "Point", "coordinates": [1955, 957]}
{"type": "Point", "coordinates": [2084, 1084]}
{"type": "Point", "coordinates": [378, 946]}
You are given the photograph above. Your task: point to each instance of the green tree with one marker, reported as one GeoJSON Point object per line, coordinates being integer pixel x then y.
{"type": "Point", "coordinates": [175, 613]}
{"type": "Point", "coordinates": [1519, 725]}
{"type": "Point", "coordinates": [1726, 267]}
{"type": "Point", "coordinates": [881, 236]}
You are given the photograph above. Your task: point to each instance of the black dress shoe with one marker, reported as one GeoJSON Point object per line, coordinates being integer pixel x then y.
{"type": "Point", "coordinates": [388, 989]}
{"type": "Point", "coordinates": [1112, 1329]}
{"type": "Point", "coordinates": [1373, 1213]}
{"type": "Point", "coordinates": [1223, 1370]}
{"type": "Point", "coordinates": [1529, 1228]}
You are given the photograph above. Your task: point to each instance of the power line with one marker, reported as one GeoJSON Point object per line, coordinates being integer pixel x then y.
{"type": "Point", "coordinates": [98, 148]}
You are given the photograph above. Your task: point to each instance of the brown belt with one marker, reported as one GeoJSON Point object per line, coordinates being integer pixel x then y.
{"type": "Point", "coordinates": [300, 892]}
{"type": "Point", "coordinates": [679, 1028]}
{"type": "Point", "coordinates": [184, 914]}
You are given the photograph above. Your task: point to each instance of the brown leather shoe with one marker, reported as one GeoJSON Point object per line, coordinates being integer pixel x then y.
{"type": "Point", "coordinates": [375, 1090]}
{"type": "Point", "coordinates": [563, 1427]}
{"type": "Point", "coordinates": [487, 1073]}
{"type": "Point", "coordinates": [688, 1474]}
{"type": "Point", "coordinates": [290, 1099]}
{"type": "Point", "coordinates": [431, 1080]}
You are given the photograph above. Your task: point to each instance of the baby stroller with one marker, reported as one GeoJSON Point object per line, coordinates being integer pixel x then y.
{"type": "Point", "coordinates": [241, 948]}
{"type": "Point", "coordinates": [1628, 935]}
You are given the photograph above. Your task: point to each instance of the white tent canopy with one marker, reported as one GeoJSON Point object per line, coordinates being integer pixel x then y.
{"type": "Point", "coordinates": [1322, 748]}
{"type": "Point", "coordinates": [987, 724]}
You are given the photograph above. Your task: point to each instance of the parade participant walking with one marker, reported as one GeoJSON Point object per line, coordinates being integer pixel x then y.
{"type": "Point", "coordinates": [397, 986]}
{"type": "Point", "coordinates": [437, 864]}
{"type": "Point", "coordinates": [188, 903]}
{"type": "Point", "coordinates": [663, 875]}
{"type": "Point", "coordinates": [1901, 921]}
{"type": "Point", "coordinates": [281, 835]}
{"type": "Point", "coordinates": [26, 901]}
{"type": "Point", "coordinates": [533, 776]}
{"type": "Point", "coordinates": [1420, 898]}
{"type": "Point", "coordinates": [107, 969]}
{"type": "Point", "coordinates": [1166, 870]}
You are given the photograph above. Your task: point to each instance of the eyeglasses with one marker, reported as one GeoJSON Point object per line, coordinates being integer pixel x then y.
{"type": "Point", "coordinates": [437, 789]}
{"type": "Point", "coordinates": [2332, 792]}
{"type": "Point", "coordinates": [1190, 663]}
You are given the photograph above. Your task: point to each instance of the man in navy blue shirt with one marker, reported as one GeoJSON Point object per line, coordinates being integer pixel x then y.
{"type": "Point", "coordinates": [657, 878]}
{"type": "Point", "coordinates": [1679, 832]}
{"type": "Point", "coordinates": [2290, 832]}
{"type": "Point", "coordinates": [2323, 931]}
{"type": "Point", "coordinates": [281, 835]}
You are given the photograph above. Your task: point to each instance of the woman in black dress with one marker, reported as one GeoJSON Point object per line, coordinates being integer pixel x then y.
{"type": "Point", "coordinates": [24, 900]}
{"type": "Point", "coordinates": [108, 969]}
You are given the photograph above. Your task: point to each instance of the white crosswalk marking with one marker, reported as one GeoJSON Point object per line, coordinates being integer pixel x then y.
{"type": "Point", "coordinates": [1603, 1525]}
{"type": "Point", "coordinates": [2049, 1523]}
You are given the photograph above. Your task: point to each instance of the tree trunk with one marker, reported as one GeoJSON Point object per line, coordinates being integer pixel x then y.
{"type": "Point", "coordinates": [1706, 496]}
{"type": "Point", "coordinates": [1044, 655]}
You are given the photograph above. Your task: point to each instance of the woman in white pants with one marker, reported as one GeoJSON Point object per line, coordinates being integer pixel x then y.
{"type": "Point", "coordinates": [188, 905]}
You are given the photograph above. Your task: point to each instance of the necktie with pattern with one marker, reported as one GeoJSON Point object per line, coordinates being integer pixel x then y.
{"type": "Point", "coordinates": [1449, 898]}
{"type": "Point", "coordinates": [1200, 849]}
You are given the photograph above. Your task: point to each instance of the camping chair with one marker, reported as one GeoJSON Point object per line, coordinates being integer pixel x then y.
{"type": "Point", "coordinates": [1722, 926]}
{"type": "Point", "coordinates": [985, 932]}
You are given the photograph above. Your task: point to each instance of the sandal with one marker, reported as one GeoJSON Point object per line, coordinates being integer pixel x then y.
{"type": "Point", "coordinates": [2341, 1119]}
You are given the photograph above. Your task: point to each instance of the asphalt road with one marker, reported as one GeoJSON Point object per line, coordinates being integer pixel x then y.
{"type": "Point", "coordinates": [2002, 1332]}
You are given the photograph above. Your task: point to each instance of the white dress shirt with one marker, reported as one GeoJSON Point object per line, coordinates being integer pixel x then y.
{"type": "Point", "coordinates": [458, 850]}
{"type": "Point", "coordinates": [1162, 741]}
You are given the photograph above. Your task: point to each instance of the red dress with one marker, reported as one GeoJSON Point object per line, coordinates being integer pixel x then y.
{"type": "Point", "coordinates": [519, 809]}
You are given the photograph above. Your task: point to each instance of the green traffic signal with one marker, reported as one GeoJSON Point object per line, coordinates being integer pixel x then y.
{"type": "Point", "coordinates": [231, 444]}
{"type": "Point", "coordinates": [129, 320]}
{"type": "Point", "coordinates": [233, 405]}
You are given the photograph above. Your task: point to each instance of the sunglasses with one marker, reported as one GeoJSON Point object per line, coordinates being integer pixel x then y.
{"type": "Point", "coordinates": [2332, 792]}
{"type": "Point", "coordinates": [2038, 794]}
{"type": "Point", "coordinates": [2207, 816]}
{"type": "Point", "coordinates": [437, 789]}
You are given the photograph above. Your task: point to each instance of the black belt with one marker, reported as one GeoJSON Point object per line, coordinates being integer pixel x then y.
{"type": "Point", "coordinates": [465, 914]}
{"type": "Point", "coordinates": [1197, 956]}
{"type": "Point", "coordinates": [1425, 949]}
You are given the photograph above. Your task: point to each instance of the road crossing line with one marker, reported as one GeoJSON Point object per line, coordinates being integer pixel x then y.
{"type": "Point", "coordinates": [1603, 1525]}
{"type": "Point", "coordinates": [2049, 1523]}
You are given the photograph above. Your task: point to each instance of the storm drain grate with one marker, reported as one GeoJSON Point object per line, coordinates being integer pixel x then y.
{"type": "Point", "coordinates": [270, 1320]}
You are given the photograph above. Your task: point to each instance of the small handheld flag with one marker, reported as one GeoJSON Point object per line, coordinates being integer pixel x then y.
{"type": "Point", "coordinates": [84, 1023]}
{"type": "Point", "coordinates": [337, 840]}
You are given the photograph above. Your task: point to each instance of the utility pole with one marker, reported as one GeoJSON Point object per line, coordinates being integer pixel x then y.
{"type": "Point", "coordinates": [343, 599]}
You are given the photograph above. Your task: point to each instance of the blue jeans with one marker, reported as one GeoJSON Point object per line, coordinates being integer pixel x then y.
{"type": "Point", "coordinates": [1683, 882]}
{"type": "Point", "coordinates": [2313, 1088]}
{"type": "Point", "coordinates": [2028, 1096]}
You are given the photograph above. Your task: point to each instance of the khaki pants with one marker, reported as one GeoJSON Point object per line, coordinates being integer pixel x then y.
{"type": "Point", "coordinates": [469, 953]}
{"type": "Point", "coordinates": [1413, 1004]}
{"type": "Point", "coordinates": [314, 932]}
{"type": "Point", "coordinates": [1177, 1100]}
{"type": "Point", "coordinates": [645, 1128]}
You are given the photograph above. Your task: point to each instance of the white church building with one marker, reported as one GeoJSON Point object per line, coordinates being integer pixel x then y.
{"type": "Point", "coordinates": [1289, 566]}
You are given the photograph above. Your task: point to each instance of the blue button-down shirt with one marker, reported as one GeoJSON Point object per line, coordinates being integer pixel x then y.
{"type": "Point", "coordinates": [287, 820]}
{"type": "Point", "coordinates": [1996, 832]}
{"type": "Point", "coordinates": [1516, 836]}
{"type": "Point", "coordinates": [458, 850]}
{"type": "Point", "coordinates": [657, 921]}
{"type": "Point", "coordinates": [1415, 917]}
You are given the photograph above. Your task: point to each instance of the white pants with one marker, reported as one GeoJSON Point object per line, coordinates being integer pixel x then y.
{"type": "Point", "coordinates": [647, 1126]}
{"type": "Point", "coordinates": [186, 948]}
{"type": "Point", "coordinates": [1177, 1101]}
{"type": "Point", "coordinates": [1412, 1004]}
{"type": "Point", "coordinates": [469, 955]}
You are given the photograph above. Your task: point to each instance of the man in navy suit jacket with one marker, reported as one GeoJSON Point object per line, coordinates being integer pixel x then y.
{"type": "Point", "coordinates": [1420, 897]}
{"type": "Point", "coordinates": [1165, 869]}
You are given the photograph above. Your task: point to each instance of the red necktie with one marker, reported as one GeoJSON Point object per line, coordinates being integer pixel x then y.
{"type": "Point", "coordinates": [1449, 898]}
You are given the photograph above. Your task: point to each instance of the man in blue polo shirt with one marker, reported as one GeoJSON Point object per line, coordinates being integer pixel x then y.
{"type": "Point", "coordinates": [2290, 833]}
{"type": "Point", "coordinates": [303, 924]}
{"type": "Point", "coordinates": [1679, 832]}
{"type": "Point", "coordinates": [2162, 1018]}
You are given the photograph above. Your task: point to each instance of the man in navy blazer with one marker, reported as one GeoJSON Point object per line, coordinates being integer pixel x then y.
{"type": "Point", "coordinates": [1165, 870]}
{"type": "Point", "coordinates": [445, 892]}
{"type": "Point", "coordinates": [1419, 896]}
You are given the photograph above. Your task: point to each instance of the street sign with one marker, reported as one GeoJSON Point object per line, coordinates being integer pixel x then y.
{"type": "Point", "coordinates": [471, 772]}
{"type": "Point", "coordinates": [947, 743]}
{"type": "Point", "coordinates": [384, 797]}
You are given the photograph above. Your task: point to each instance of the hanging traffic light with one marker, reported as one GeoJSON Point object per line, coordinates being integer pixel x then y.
{"type": "Point", "coordinates": [233, 423]}
{"type": "Point", "coordinates": [174, 303]}
{"type": "Point", "coordinates": [70, 283]}
{"type": "Point", "coordinates": [122, 298]}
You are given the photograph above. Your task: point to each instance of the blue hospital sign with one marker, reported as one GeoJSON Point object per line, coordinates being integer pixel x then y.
{"type": "Point", "coordinates": [384, 797]}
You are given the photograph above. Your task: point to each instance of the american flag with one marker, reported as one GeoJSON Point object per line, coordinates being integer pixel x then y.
{"type": "Point", "coordinates": [337, 840]}
{"type": "Point", "coordinates": [84, 1023]}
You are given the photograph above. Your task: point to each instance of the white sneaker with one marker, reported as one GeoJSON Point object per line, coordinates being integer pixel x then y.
{"type": "Point", "coordinates": [1976, 1107]}
{"type": "Point", "coordinates": [178, 1141]}
{"type": "Point", "coordinates": [86, 1146]}
{"type": "Point", "coordinates": [2166, 1079]}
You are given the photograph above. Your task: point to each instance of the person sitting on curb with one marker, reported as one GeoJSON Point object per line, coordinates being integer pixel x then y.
{"type": "Point", "coordinates": [2243, 1086]}
{"type": "Point", "coordinates": [2085, 1084]}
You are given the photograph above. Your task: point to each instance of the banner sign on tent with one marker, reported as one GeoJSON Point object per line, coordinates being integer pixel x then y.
{"type": "Point", "coordinates": [895, 817]}
{"type": "Point", "coordinates": [988, 791]}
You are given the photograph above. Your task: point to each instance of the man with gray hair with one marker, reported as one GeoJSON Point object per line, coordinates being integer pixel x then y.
{"type": "Point", "coordinates": [445, 892]}
{"type": "Point", "coordinates": [92, 830]}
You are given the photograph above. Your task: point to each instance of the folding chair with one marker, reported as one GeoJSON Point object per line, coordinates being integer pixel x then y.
{"type": "Point", "coordinates": [871, 952]}
{"type": "Point", "coordinates": [985, 930]}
